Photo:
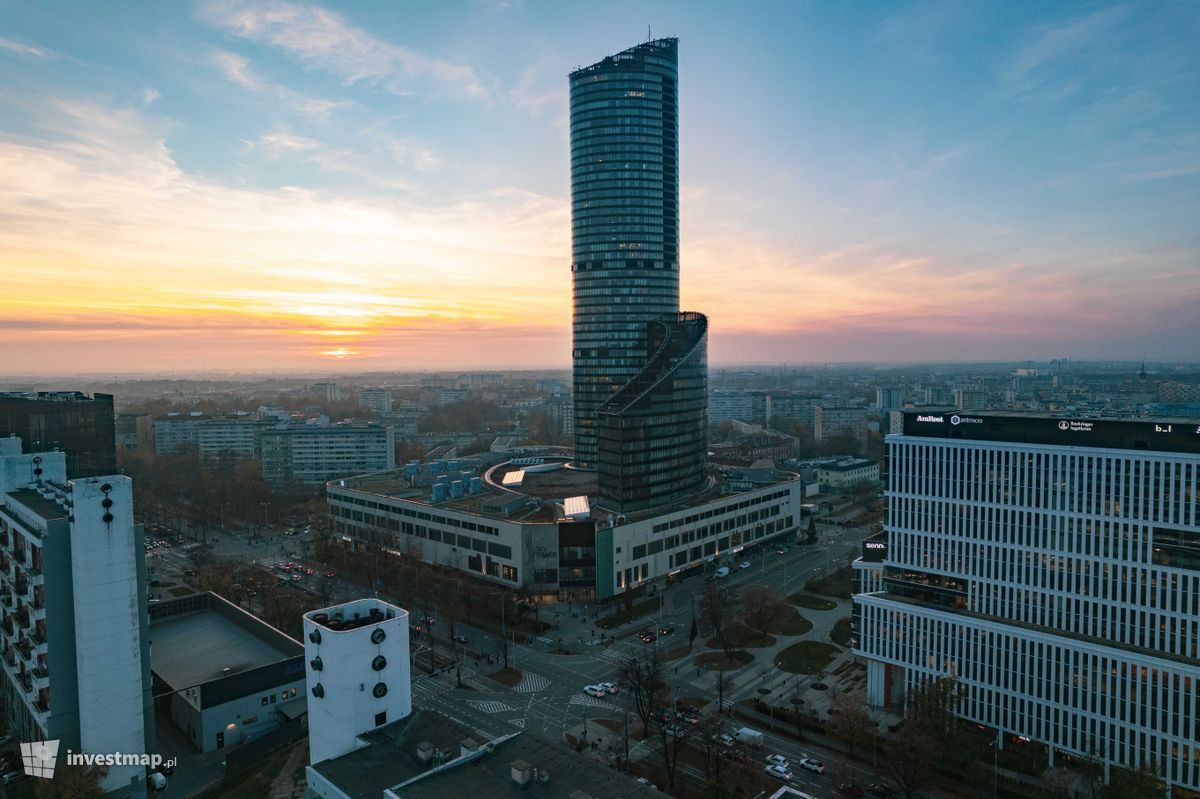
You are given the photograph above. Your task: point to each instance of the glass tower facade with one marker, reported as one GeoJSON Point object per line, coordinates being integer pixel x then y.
{"type": "Point", "coordinates": [625, 267]}
{"type": "Point", "coordinates": [625, 220]}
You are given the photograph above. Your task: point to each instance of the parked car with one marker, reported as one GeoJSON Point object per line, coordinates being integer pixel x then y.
{"type": "Point", "coordinates": [609, 687]}
{"type": "Point", "coordinates": [779, 773]}
{"type": "Point", "coordinates": [593, 690]}
{"type": "Point", "coordinates": [812, 765]}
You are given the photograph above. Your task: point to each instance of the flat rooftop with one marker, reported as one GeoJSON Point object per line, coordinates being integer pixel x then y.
{"type": "Point", "coordinates": [197, 646]}
{"type": "Point", "coordinates": [46, 508]}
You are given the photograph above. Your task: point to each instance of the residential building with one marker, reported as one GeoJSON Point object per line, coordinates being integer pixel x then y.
{"type": "Point", "coordinates": [744, 406]}
{"type": "Point", "coordinates": [83, 427]}
{"type": "Point", "coordinates": [135, 432]}
{"type": "Point", "coordinates": [889, 399]}
{"type": "Point", "coordinates": [231, 677]}
{"type": "Point", "coordinates": [377, 399]}
{"type": "Point", "coordinates": [310, 455]}
{"type": "Point", "coordinates": [238, 438]}
{"type": "Point", "coordinates": [970, 399]}
{"type": "Point", "coordinates": [1050, 565]}
{"type": "Point", "coordinates": [325, 392]}
{"type": "Point", "coordinates": [76, 664]}
{"type": "Point", "coordinates": [357, 672]}
{"type": "Point", "coordinates": [176, 432]}
{"type": "Point", "coordinates": [831, 421]}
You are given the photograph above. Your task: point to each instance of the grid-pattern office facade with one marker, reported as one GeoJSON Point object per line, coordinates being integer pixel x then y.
{"type": "Point", "coordinates": [1053, 567]}
{"type": "Point", "coordinates": [83, 427]}
{"type": "Point", "coordinates": [625, 220]}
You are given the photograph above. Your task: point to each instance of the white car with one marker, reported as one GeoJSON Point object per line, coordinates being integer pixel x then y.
{"type": "Point", "coordinates": [777, 760]}
{"type": "Point", "coordinates": [812, 765]}
{"type": "Point", "coordinates": [609, 688]}
{"type": "Point", "coordinates": [593, 690]}
{"type": "Point", "coordinates": [745, 564]}
{"type": "Point", "coordinates": [779, 773]}
{"type": "Point", "coordinates": [721, 572]}
{"type": "Point", "coordinates": [723, 739]}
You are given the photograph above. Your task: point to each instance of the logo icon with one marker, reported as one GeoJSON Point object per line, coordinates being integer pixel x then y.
{"type": "Point", "coordinates": [39, 758]}
{"type": "Point", "coordinates": [954, 419]}
{"type": "Point", "coordinates": [1064, 425]}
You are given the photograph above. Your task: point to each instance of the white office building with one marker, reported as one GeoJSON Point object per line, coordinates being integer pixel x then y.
{"type": "Point", "coordinates": [76, 664]}
{"type": "Point", "coordinates": [377, 399]}
{"type": "Point", "coordinates": [1052, 566]}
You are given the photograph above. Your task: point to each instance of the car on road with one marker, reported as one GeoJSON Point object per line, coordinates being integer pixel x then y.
{"type": "Point", "coordinates": [721, 572]}
{"type": "Point", "coordinates": [295, 577]}
{"type": "Point", "coordinates": [723, 739]}
{"type": "Point", "coordinates": [881, 790]}
{"type": "Point", "coordinates": [647, 636]}
{"type": "Point", "coordinates": [329, 574]}
{"type": "Point", "coordinates": [812, 765]}
{"type": "Point", "coordinates": [667, 630]}
{"type": "Point", "coordinates": [459, 639]}
{"type": "Point", "coordinates": [675, 731]}
{"type": "Point", "coordinates": [645, 781]}
{"type": "Point", "coordinates": [593, 690]}
{"type": "Point", "coordinates": [779, 773]}
{"type": "Point", "coordinates": [609, 687]}
{"type": "Point", "coordinates": [309, 572]}
{"type": "Point", "coordinates": [745, 564]}
{"type": "Point", "coordinates": [781, 550]}
{"type": "Point", "coordinates": [777, 760]}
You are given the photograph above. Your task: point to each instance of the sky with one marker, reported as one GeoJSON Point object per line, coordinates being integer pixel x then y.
{"type": "Point", "coordinates": [276, 185]}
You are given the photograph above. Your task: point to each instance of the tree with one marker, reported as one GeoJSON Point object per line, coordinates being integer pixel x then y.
{"type": "Point", "coordinates": [909, 757]}
{"type": "Point", "coordinates": [693, 631]}
{"type": "Point", "coordinates": [850, 722]}
{"type": "Point", "coordinates": [811, 538]}
{"type": "Point", "coordinates": [671, 737]}
{"type": "Point", "coordinates": [1139, 783]}
{"type": "Point", "coordinates": [708, 730]}
{"type": "Point", "coordinates": [717, 607]}
{"type": "Point", "coordinates": [642, 677]}
{"type": "Point", "coordinates": [928, 735]}
{"type": "Point", "coordinates": [761, 606]}
{"type": "Point", "coordinates": [72, 782]}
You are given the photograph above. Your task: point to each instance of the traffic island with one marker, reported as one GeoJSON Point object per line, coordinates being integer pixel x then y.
{"type": "Point", "coordinates": [507, 676]}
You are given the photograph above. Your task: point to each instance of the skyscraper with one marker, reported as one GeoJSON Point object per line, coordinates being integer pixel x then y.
{"type": "Point", "coordinates": [83, 427]}
{"type": "Point", "coordinates": [640, 369]}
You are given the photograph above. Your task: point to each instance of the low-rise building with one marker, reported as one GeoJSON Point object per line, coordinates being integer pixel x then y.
{"type": "Point", "coordinates": [843, 475]}
{"type": "Point", "coordinates": [227, 677]}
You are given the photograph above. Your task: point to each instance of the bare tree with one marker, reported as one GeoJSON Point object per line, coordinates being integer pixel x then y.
{"type": "Point", "coordinates": [850, 721]}
{"type": "Point", "coordinates": [761, 606]}
{"type": "Point", "coordinates": [672, 738]}
{"type": "Point", "coordinates": [717, 608]}
{"type": "Point", "coordinates": [642, 677]}
{"type": "Point", "coordinates": [709, 730]}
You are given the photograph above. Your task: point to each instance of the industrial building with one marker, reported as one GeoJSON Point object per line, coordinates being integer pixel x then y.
{"type": "Point", "coordinates": [224, 676]}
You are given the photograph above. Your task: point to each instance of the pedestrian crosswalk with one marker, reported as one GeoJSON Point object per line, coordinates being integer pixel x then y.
{"type": "Point", "coordinates": [489, 706]}
{"type": "Point", "coordinates": [589, 701]}
{"type": "Point", "coordinates": [431, 687]}
{"type": "Point", "coordinates": [532, 683]}
{"type": "Point", "coordinates": [613, 655]}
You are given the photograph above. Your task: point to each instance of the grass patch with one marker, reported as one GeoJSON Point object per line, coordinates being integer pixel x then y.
{"type": "Point", "coordinates": [811, 602]}
{"type": "Point", "coordinates": [678, 653]}
{"type": "Point", "coordinates": [507, 676]}
{"type": "Point", "coordinates": [789, 622]}
{"type": "Point", "coordinates": [806, 657]}
{"type": "Point", "coordinates": [623, 617]}
{"type": "Point", "coordinates": [716, 661]}
{"type": "Point", "coordinates": [841, 632]}
{"type": "Point", "coordinates": [839, 583]}
{"type": "Point", "coordinates": [181, 590]}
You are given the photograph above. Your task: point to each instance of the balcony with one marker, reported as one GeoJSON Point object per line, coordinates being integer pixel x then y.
{"type": "Point", "coordinates": [42, 705]}
{"type": "Point", "coordinates": [10, 656]}
{"type": "Point", "coordinates": [41, 678]}
{"type": "Point", "coordinates": [26, 681]}
{"type": "Point", "coordinates": [21, 586]}
{"type": "Point", "coordinates": [38, 637]}
{"type": "Point", "coordinates": [25, 649]}
{"type": "Point", "coordinates": [7, 625]}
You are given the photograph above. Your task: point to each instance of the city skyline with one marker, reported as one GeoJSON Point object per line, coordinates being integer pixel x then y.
{"type": "Point", "coordinates": [227, 186]}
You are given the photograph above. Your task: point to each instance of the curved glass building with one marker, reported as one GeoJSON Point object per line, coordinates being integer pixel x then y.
{"type": "Point", "coordinates": [625, 266]}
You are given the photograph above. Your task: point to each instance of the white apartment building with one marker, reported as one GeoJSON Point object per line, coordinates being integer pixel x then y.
{"type": "Point", "coordinates": [74, 636]}
{"type": "Point", "coordinates": [831, 421]}
{"type": "Point", "coordinates": [1052, 566]}
{"type": "Point", "coordinates": [377, 399]}
{"type": "Point", "coordinates": [175, 431]}
{"type": "Point", "coordinates": [312, 455]}
{"type": "Point", "coordinates": [744, 406]}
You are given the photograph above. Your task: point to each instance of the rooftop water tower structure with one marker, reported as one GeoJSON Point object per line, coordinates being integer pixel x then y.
{"type": "Point", "coordinates": [358, 675]}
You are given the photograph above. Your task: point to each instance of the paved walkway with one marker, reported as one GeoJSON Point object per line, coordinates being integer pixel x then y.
{"type": "Point", "coordinates": [284, 786]}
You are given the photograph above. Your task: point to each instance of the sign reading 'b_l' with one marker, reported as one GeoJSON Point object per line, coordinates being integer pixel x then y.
{"type": "Point", "coordinates": [39, 758]}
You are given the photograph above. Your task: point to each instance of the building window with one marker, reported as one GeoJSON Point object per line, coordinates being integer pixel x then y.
{"type": "Point", "coordinates": [381, 718]}
{"type": "Point", "coordinates": [249, 721]}
{"type": "Point", "coordinates": [264, 701]}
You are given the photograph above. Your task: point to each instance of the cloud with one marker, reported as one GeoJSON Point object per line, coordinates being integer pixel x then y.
{"type": "Point", "coordinates": [281, 143]}
{"type": "Point", "coordinates": [149, 95]}
{"type": "Point", "coordinates": [324, 40]}
{"type": "Point", "coordinates": [237, 70]}
{"type": "Point", "coordinates": [13, 46]}
{"type": "Point", "coordinates": [1084, 37]}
